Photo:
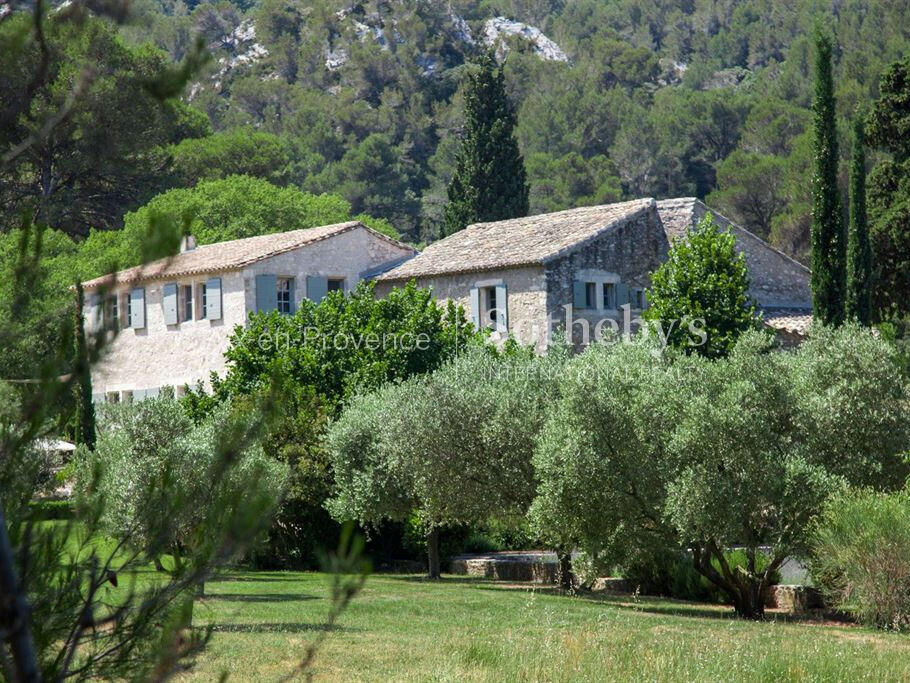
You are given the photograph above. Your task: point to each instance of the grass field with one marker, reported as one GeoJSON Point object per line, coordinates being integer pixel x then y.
{"type": "Point", "coordinates": [405, 628]}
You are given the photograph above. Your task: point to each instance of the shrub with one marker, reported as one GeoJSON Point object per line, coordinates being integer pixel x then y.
{"type": "Point", "coordinates": [168, 484]}
{"type": "Point", "coordinates": [861, 556]}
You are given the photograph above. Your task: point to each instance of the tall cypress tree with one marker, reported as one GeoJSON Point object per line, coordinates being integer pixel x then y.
{"type": "Point", "coordinates": [85, 409]}
{"type": "Point", "coordinates": [829, 272]}
{"type": "Point", "coordinates": [490, 183]}
{"type": "Point", "coordinates": [859, 251]}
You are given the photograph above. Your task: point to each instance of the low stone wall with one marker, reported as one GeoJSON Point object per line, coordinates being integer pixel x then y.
{"type": "Point", "coordinates": [796, 599]}
{"type": "Point", "coordinates": [536, 567]}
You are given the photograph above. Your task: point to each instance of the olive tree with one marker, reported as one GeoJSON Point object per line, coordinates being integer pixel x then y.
{"type": "Point", "coordinates": [156, 473]}
{"type": "Point", "coordinates": [646, 452]}
{"type": "Point", "coordinates": [455, 445]}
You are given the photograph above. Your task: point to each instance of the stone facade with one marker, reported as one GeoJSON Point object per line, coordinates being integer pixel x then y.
{"type": "Point", "coordinates": [617, 245]}
{"type": "Point", "coordinates": [778, 281]}
{"type": "Point", "coordinates": [138, 362]}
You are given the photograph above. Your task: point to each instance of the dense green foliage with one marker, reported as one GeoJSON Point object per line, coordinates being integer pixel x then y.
{"type": "Point", "coordinates": [658, 98]}
{"type": "Point", "coordinates": [829, 246]}
{"type": "Point", "coordinates": [704, 282]}
{"type": "Point", "coordinates": [489, 183]}
{"type": "Point", "coordinates": [156, 472]}
{"type": "Point", "coordinates": [106, 156]}
{"type": "Point", "coordinates": [861, 556]}
{"type": "Point", "coordinates": [318, 359]}
{"type": "Point", "coordinates": [239, 151]}
{"type": "Point", "coordinates": [346, 343]}
{"type": "Point", "coordinates": [889, 192]}
{"type": "Point", "coordinates": [858, 305]}
{"type": "Point", "coordinates": [645, 453]}
{"type": "Point", "coordinates": [455, 446]}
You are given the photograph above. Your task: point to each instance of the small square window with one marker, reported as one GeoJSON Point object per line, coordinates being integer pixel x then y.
{"type": "Point", "coordinates": [639, 295]}
{"type": "Point", "coordinates": [336, 285]}
{"type": "Point", "coordinates": [609, 295]}
{"type": "Point", "coordinates": [285, 295]}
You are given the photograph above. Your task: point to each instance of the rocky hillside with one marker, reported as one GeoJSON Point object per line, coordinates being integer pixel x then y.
{"type": "Point", "coordinates": [614, 99]}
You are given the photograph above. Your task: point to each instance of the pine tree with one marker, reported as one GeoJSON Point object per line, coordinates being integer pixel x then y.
{"type": "Point", "coordinates": [829, 272]}
{"type": "Point", "coordinates": [490, 181]}
{"type": "Point", "coordinates": [859, 251]}
{"type": "Point", "coordinates": [85, 409]}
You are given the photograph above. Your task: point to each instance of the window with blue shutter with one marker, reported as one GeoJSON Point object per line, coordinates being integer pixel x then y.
{"type": "Point", "coordinates": [579, 294]}
{"type": "Point", "coordinates": [137, 308]}
{"type": "Point", "coordinates": [475, 307]}
{"type": "Point", "coordinates": [266, 293]}
{"type": "Point", "coordinates": [213, 298]}
{"type": "Point", "coordinates": [622, 294]}
{"type": "Point", "coordinates": [169, 303]}
{"type": "Point", "coordinates": [317, 287]}
{"type": "Point", "coordinates": [502, 309]}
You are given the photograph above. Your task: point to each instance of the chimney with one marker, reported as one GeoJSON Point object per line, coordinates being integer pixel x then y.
{"type": "Point", "coordinates": [187, 243]}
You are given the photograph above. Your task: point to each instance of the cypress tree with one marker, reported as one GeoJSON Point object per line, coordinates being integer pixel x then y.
{"type": "Point", "coordinates": [85, 409]}
{"type": "Point", "coordinates": [829, 272]}
{"type": "Point", "coordinates": [490, 181]}
{"type": "Point", "coordinates": [859, 251]}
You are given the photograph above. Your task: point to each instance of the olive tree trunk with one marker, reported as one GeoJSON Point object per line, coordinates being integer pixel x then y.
{"type": "Point", "coordinates": [433, 553]}
{"type": "Point", "coordinates": [564, 571]}
{"type": "Point", "coordinates": [745, 589]}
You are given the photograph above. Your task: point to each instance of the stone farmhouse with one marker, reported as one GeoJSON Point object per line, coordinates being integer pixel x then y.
{"type": "Point", "coordinates": [176, 315]}
{"type": "Point", "coordinates": [519, 276]}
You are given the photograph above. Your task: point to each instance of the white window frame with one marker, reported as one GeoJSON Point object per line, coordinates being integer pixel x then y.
{"type": "Point", "coordinates": [284, 298]}
{"type": "Point", "coordinates": [182, 291]}
{"type": "Point", "coordinates": [200, 302]}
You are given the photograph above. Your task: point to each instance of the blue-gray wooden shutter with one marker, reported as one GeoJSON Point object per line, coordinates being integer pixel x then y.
{"type": "Point", "coordinates": [266, 293]}
{"type": "Point", "coordinates": [138, 394]}
{"type": "Point", "coordinates": [502, 309]}
{"type": "Point", "coordinates": [579, 298]}
{"type": "Point", "coordinates": [622, 294]}
{"type": "Point", "coordinates": [475, 307]}
{"type": "Point", "coordinates": [169, 303]}
{"type": "Point", "coordinates": [292, 291]}
{"type": "Point", "coordinates": [95, 315]}
{"type": "Point", "coordinates": [317, 287]}
{"type": "Point", "coordinates": [213, 298]}
{"type": "Point", "coordinates": [137, 308]}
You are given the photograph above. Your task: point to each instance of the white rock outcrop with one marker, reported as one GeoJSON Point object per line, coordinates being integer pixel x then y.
{"type": "Point", "coordinates": [499, 27]}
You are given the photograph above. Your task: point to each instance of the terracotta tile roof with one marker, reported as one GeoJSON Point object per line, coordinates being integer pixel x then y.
{"type": "Point", "coordinates": [792, 321]}
{"type": "Point", "coordinates": [518, 241]}
{"type": "Point", "coordinates": [230, 255]}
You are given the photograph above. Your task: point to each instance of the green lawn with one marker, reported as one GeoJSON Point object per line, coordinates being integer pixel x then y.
{"type": "Point", "coordinates": [405, 628]}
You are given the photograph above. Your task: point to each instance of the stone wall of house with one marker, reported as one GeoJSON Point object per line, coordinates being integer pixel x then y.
{"type": "Point", "coordinates": [629, 252]}
{"type": "Point", "coordinates": [526, 296]}
{"type": "Point", "coordinates": [778, 281]}
{"type": "Point", "coordinates": [161, 355]}
{"type": "Point", "coordinates": [345, 256]}
{"type": "Point", "coordinates": [174, 355]}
